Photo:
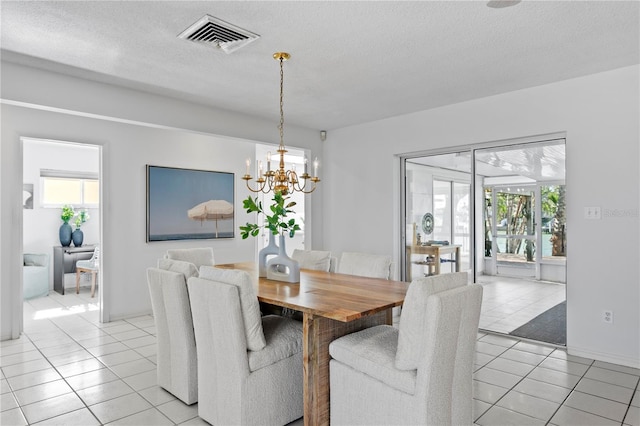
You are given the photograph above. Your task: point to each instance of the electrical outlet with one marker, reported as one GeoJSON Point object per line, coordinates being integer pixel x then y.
{"type": "Point", "coordinates": [592, 213]}
{"type": "Point", "coordinates": [607, 316]}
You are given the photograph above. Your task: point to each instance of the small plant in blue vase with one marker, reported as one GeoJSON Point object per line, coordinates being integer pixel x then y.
{"type": "Point", "coordinates": [78, 235]}
{"type": "Point", "coordinates": [65, 229]}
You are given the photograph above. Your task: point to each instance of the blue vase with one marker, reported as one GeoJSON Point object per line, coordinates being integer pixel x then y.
{"type": "Point", "coordinates": [77, 236]}
{"type": "Point", "coordinates": [65, 235]}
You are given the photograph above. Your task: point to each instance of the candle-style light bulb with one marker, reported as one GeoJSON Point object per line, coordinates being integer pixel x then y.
{"type": "Point", "coordinates": [269, 161]}
{"type": "Point", "coordinates": [260, 167]}
{"type": "Point", "coordinates": [248, 165]}
{"type": "Point", "coordinates": [315, 167]}
{"type": "Point", "coordinates": [306, 160]}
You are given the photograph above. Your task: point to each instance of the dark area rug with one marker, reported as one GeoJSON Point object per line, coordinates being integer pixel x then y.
{"type": "Point", "coordinates": [549, 326]}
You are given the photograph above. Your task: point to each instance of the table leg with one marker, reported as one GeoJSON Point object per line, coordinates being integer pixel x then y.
{"type": "Point", "coordinates": [318, 332]}
{"type": "Point", "coordinates": [457, 259]}
{"type": "Point", "coordinates": [77, 281]}
{"type": "Point", "coordinates": [93, 282]}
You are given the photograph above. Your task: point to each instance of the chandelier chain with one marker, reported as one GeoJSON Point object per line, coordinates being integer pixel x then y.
{"type": "Point", "coordinates": [281, 104]}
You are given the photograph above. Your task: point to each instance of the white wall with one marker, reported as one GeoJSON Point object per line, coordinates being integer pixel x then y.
{"type": "Point", "coordinates": [41, 224]}
{"type": "Point", "coordinates": [46, 105]}
{"type": "Point", "coordinates": [600, 115]}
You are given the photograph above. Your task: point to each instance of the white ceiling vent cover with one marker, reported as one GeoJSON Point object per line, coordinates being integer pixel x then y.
{"type": "Point", "coordinates": [215, 32]}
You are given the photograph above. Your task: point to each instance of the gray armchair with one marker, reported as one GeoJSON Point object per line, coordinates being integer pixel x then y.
{"type": "Point", "coordinates": [238, 385]}
{"type": "Point", "coordinates": [35, 275]}
{"type": "Point", "coordinates": [419, 374]}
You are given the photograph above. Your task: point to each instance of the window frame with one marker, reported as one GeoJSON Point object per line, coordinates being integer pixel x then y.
{"type": "Point", "coordinates": [83, 177]}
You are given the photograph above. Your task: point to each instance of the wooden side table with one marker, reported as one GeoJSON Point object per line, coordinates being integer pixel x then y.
{"type": "Point", "coordinates": [64, 262]}
{"type": "Point", "coordinates": [435, 251]}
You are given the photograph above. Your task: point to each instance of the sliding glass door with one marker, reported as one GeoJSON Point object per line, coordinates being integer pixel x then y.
{"type": "Point", "coordinates": [437, 214]}
{"type": "Point", "coordinates": [523, 215]}
{"type": "Point", "coordinates": [497, 212]}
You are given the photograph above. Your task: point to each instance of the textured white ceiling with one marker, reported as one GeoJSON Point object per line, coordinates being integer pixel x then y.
{"type": "Point", "coordinates": [541, 162]}
{"type": "Point", "coordinates": [352, 62]}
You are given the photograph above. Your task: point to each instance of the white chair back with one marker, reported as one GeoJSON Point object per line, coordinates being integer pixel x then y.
{"type": "Point", "coordinates": [313, 259]}
{"type": "Point", "coordinates": [176, 358]}
{"type": "Point", "coordinates": [420, 374]}
{"type": "Point", "coordinates": [237, 385]}
{"type": "Point", "coordinates": [365, 265]}
{"type": "Point", "coordinates": [201, 256]}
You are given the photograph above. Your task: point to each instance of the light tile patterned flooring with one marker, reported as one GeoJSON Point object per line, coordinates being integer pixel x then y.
{"type": "Point", "coordinates": [69, 369]}
{"type": "Point", "coordinates": [508, 303]}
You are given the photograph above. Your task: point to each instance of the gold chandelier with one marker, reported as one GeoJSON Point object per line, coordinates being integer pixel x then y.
{"type": "Point", "coordinates": [281, 180]}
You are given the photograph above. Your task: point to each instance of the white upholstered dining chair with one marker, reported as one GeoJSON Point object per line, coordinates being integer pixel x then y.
{"type": "Point", "coordinates": [365, 265]}
{"type": "Point", "coordinates": [419, 374]}
{"type": "Point", "coordinates": [249, 367]}
{"type": "Point", "coordinates": [176, 357]}
{"type": "Point", "coordinates": [316, 260]}
{"type": "Point", "coordinates": [201, 256]}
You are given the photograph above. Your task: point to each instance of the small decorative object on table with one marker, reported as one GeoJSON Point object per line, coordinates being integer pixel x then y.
{"type": "Point", "coordinates": [64, 233]}
{"type": "Point", "coordinates": [427, 223]}
{"type": "Point", "coordinates": [270, 249]}
{"type": "Point", "coordinates": [281, 267]}
{"type": "Point", "coordinates": [78, 236]}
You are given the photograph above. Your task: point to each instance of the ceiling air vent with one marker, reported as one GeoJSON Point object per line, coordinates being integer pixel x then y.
{"type": "Point", "coordinates": [218, 33]}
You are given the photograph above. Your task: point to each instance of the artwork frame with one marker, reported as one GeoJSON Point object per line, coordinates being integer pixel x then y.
{"type": "Point", "coordinates": [189, 204]}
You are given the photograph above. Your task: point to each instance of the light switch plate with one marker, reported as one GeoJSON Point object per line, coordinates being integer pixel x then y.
{"type": "Point", "coordinates": [592, 213]}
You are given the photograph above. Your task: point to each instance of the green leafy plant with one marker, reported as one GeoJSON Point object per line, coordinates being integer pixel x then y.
{"type": "Point", "coordinates": [81, 217]}
{"type": "Point", "coordinates": [67, 213]}
{"type": "Point", "coordinates": [277, 222]}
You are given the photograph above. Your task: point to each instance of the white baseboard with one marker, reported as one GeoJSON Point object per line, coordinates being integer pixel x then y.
{"type": "Point", "coordinates": [605, 357]}
{"type": "Point", "coordinates": [128, 316]}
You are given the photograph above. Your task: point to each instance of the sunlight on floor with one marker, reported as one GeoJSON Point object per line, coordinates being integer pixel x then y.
{"type": "Point", "coordinates": [60, 312]}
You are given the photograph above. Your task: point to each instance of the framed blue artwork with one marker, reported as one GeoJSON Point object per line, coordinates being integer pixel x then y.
{"type": "Point", "coordinates": [186, 204]}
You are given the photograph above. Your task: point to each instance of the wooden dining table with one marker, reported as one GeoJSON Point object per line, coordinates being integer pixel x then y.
{"type": "Point", "coordinates": [332, 305]}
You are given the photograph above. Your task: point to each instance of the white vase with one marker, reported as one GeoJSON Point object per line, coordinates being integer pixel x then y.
{"type": "Point", "coordinates": [270, 249]}
{"type": "Point", "coordinates": [282, 267]}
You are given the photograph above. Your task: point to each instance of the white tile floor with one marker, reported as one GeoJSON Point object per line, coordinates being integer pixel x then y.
{"type": "Point", "coordinates": [508, 303]}
{"type": "Point", "coordinates": [68, 369]}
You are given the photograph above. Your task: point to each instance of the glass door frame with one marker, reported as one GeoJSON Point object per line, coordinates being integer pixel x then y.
{"type": "Point", "coordinates": [537, 228]}
{"type": "Point", "coordinates": [475, 204]}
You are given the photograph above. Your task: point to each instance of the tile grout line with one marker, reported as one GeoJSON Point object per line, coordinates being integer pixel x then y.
{"type": "Point", "coordinates": [570, 393]}
{"type": "Point", "coordinates": [61, 376]}
{"type": "Point", "coordinates": [626, 413]}
{"type": "Point", "coordinates": [52, 366]}
{"type": "Point", "coordinates": [573, 389]}
{"type": "Point", "coordinates": [93, 357]}
{"type": "Point", "coordinates": [516, 384]}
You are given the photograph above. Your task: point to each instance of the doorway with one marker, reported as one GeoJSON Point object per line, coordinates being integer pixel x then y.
{"type": "Point", "coordinates": [58, 174]}
{"type": "Point", "coordinates": [502, 207]}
